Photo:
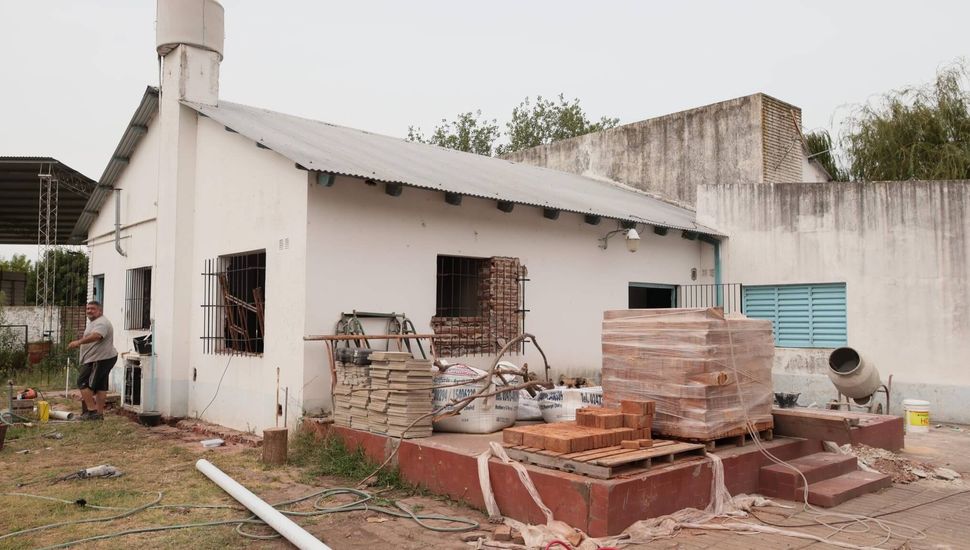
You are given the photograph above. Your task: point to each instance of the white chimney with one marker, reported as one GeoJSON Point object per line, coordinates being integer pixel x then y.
{"type": "Point", "coordinates": [189, 35]}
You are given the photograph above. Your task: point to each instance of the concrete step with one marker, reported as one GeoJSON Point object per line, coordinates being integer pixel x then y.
{"type": "Point", "coordinates": [780, 481]}
{"type": "Point", "coordinates": [837, 490]}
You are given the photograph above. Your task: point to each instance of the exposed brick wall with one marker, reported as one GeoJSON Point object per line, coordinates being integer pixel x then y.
{"type": "Point", "coordinates": [781, 143]}
{"type": "Point", "coordinates": [499, 294]}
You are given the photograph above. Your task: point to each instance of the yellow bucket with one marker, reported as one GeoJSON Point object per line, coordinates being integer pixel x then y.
{"type": "Point", "coordinates": [43, 410]}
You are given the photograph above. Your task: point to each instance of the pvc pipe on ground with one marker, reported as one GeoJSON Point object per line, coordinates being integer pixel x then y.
{"type": "Point", "coordinates": [282, 524]}
{"type": "Point", "coordinates": [62, 415]}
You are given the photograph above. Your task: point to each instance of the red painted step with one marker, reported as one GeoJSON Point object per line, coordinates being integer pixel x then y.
{"type": "Point", "coordinates": [837, 490]}
{"type": "Point", "coordinates": [780, 481]}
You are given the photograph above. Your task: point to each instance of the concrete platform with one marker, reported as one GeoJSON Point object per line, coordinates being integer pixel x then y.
{"type": "Point", "coordinates": [446, 464]}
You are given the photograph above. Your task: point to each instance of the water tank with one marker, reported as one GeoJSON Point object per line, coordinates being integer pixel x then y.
{"type": "Point", "coordinates": [198, 23]}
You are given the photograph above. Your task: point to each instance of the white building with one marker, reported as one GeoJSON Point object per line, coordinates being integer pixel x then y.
{"type": "Point", "coordinates": [318, 220]}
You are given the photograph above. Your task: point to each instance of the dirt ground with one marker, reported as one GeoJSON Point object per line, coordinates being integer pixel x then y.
{"type": "Point", "coordinates": [162, 461]}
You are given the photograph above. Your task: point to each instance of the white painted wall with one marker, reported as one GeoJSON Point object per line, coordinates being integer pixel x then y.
{"type": "Point", "coordinates": [248, 199]}
{"type": "Point", "coordinates": [372, 252]}
{"type": "Point", "coordinates": [138, 184]}
{"type": "Point", "coordinates": [903, 250]}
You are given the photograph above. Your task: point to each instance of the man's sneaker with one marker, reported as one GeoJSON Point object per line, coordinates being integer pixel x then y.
{"type": "Point", "coordinates": [91, 415]}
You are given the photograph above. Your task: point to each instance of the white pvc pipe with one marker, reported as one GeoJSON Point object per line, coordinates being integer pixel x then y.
{"type": "Point", "coordinates": [282, 524]}
{"type": "Point", "coordinates": [62, 415]}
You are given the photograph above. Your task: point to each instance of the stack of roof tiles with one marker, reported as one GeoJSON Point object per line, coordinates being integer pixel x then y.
{"type": "Point", "coordinates": [400, 396]}
{"type": "Point", "coordinates": [708, 374]}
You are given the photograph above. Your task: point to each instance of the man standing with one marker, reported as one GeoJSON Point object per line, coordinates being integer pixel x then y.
{"type": "Point", "coordinates": [98, 356]}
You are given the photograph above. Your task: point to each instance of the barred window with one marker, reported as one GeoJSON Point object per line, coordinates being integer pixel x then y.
{"type": "Point", "coordinates": [138, 299]}
{"type": "Point", "coordinates": [234, 303]}
{"type": "Point", "coordinates": [480, 304]}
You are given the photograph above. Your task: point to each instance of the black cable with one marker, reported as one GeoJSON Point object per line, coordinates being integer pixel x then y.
{"type": "Point", "coordinates": [217, 386]}
{"type": "Point", "coordinates": [866, 517]}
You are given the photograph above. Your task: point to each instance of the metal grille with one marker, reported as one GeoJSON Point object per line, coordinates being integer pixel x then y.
{"type": "Point", "coordinates": [138, 299]}
{"type": "Point", "coordinates": [234, 305]}
{"type": "Point", "coordinates": [480, 304]}
{"type": "Point", "coordinates": [727, 296]}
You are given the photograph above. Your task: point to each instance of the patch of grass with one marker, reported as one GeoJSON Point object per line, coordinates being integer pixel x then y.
{"type": "Point", "coordinates": [331, 457]}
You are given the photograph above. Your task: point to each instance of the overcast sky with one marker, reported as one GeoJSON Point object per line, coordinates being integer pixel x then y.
{"type": "Point", "coordinates": [72, 71]}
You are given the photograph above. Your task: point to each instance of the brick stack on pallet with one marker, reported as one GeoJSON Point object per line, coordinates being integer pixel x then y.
{"type": "Point", "coordinates": [692, 363]}
{"type": "Point", "coordinates": [400, 394]}
{"type": "Point", "coordinates": [594, 428]}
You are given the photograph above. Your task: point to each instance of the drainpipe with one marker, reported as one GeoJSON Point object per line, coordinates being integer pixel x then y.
{"type": "Point", "coordinates": [118, 222]}
{"type": "Point", "coordinates": [717, 261]}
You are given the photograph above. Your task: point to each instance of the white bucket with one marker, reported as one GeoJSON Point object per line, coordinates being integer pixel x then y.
{"type": "Point", "coordinates": [916, 415]}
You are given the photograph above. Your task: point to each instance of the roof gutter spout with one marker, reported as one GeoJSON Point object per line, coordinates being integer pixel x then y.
{"type": "Point", "coordinates": [118, 222]}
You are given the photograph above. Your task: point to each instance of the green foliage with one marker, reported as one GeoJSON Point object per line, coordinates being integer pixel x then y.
{"type": "Point", "coordinates": [821, 148]}
{"type": "Point", "coordinates": [546, 121]}
{"type": "Point", "coordinates": [469, 133]}
{"type": "Point", "coordinates": [12, 354]}
{"type": "Point", "coordinates": [17, 262]}
{"type": "Point", "coordinates": [532, 123]}
{"type": "Point", "coordinates": [914, 133]}
{"type": "Point", "coordinates": [330, 457]}
{"type": "Point", "coordinates": [70, 276]}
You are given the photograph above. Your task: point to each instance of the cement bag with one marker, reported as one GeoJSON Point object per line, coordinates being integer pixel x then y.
{"type": "Point", "coordinates": [528, 407]}
{"type": "Point", "coordinates": [481, 416]}
{"type": "Point", "coordinates": [560, 404]}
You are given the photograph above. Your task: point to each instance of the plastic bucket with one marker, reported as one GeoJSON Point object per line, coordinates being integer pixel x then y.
{"type": "Point", "coordinates": [43, 411]}
{"type": "Point", "coordinates": [916, 415]}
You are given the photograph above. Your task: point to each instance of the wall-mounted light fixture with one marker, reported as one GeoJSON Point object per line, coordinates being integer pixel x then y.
{"type": "Point", "coordinates": [631, 236]}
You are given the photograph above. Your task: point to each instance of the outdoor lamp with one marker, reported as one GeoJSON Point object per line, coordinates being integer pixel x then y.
{"type": "Point", "coordinates": [632, 240]}
{"type": "Point", "coordinates": [631, 236]}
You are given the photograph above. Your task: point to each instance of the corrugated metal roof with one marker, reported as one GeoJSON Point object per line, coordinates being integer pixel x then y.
{"type": "Point", "coordinates": [137, 127]}
{"type": "Point", "coordinates": [329, 148]}
{"type": "Point", "coordinates": [20, 197]}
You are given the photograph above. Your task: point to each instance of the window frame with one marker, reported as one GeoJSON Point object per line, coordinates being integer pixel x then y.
{"type": "Point", "coordinates": [138, 298]}
{"type": "Point", "coordinates": [250, 312]}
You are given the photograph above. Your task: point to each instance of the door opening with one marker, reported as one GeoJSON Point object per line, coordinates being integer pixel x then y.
{"type": "Point", "coordinates": [652, 296]}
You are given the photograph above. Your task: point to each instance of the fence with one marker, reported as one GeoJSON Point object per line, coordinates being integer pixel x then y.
{"type": "Point", "coordinates": [728, 296]}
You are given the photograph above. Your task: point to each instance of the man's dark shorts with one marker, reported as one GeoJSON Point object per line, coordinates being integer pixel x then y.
{"type": "Point", "coordinates": [94, 375]}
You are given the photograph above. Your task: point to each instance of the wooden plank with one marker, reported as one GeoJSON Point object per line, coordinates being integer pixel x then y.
{"type": "Point", "coordinates": [634, 456]}
{"type": "Point", "coordinates": [823, 428]}
{"type": "Point", "coordinates": [835, 416]}
{"type": "Point", "coordinates": [570, 466]}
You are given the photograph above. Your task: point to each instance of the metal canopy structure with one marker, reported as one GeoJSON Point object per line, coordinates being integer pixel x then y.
{"type": "Point", "coordinates": [26, 183]}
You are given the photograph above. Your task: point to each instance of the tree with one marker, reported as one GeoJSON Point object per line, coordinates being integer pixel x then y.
{"type": "Point", "coordinates": [532, 124]}
{"type": "Point", "coordinates": [70, 276]}
{"type": "Point", "coordinates": [546, 121]}
{"type": "Point", "coordinates": [821, 148]}
{"type": "Point", "coordinates": [17, 262]}
{"type": "Point", "coordinates": [469, 133]}
{"type": "Point", "coordinates": [914, 133]}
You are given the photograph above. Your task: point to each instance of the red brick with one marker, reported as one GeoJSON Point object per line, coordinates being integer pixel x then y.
{"type": "Point", "coordinates": [835, 491]}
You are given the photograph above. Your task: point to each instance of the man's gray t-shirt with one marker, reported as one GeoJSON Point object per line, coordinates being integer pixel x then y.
{"type": "Point", "coordinates": [103, 348]}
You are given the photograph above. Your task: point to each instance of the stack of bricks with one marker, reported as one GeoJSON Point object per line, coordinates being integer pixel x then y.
{"type": "Point", "coordinates": [500, 298]}
{"type": "Point", "coordinates": [400, 396]}
{"type": "Point", "coordinates": [708, 374]}
{"type": "Point", "coordinates": [594, 428]}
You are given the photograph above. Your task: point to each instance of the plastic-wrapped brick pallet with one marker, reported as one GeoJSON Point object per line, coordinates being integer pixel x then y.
{"type": "Point", "coordinates": [690, 361]}
{"type": "Point", "coordinates": [481, 416]}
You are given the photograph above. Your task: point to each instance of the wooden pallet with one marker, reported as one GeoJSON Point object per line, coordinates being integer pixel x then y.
{"type": "Point", "coordinates": [607, 462]}
{"type": "Point", "coordinates": [738, 437]}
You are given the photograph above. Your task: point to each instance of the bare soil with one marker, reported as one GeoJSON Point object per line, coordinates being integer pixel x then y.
{"type": "Point", "coordinates": [162, 460]}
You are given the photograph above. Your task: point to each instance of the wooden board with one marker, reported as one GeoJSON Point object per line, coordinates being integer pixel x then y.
{"type": "Point", "coordinates": [809, 424]}
{"type": "Point", "coordinates": [737, 437]}
{"type": "Point", "coordinates": [606, 463]}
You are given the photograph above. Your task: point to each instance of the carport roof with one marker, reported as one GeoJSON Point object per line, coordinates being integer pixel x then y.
{"type": "Point", "coordinates": [20, 198]}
